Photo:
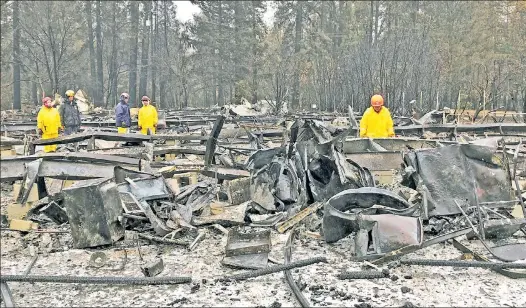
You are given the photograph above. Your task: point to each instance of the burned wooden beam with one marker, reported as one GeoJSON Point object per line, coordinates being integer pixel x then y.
{"type": "Point", "coordinates": [212, 140]}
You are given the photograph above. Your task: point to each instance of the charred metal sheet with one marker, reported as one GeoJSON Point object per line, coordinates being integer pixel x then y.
{"type": "Point", "coordinates": [511, 251]}
{"type": "Point", "coordinates": [263, 157]}
{"type": "Point", "coordinates": [247, 243]}
{"type": "Point", "coordinates": [353, 145]}
{"type": "Point", "coordinates": [17, 128]}
{"type": "Point", "coordinates": [8, 142]}
{"type": "Point", "coordinates": [70, 166]}
{"type": "Point", "coordinates": [74, 171]}
{"type": "Point", "coordinates": [56, 213]}
{"type": "Point", "coordinates": [366, 197]}
{"type": "Point", "coordinates": [63, 170]}
{"type": "Point", "coordinates": [478, 257]}
{"type": "Point", "coordinates": [247, 250]}
{"type": "Point", "coordinates": [93, 209]}
{"type": "Point", "coordinates": [75, 156]}
{"type": "Point", "coordinates": [120, 174]}
{"type": "Point", "coordinates": [231, 216]}
{"type": "Point", "coordinates": [212, 140]}
{"type": "Point", "coordinates": [500, 228]}
{"type": "Point", "coordinates": [388, 232]}
{"type": "Point", "coordinates": [225, 173]}
{"type": "Point", "coordinates": [158, 225]}
{"type": "Point", "coordinates": [377, 160]}
{"type": "Point", "coordinates": [97, 135]}
{"type": "Point", "coordinates": [448, 173]}
{"type": "Point", "coordinates": [146, 188]}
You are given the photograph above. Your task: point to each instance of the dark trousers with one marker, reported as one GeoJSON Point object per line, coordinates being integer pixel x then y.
{"type": "Point", "coordinates": [71, 130]}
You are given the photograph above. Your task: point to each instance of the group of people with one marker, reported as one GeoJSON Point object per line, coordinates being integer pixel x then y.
{"type": "Point", "coordinates": [51, 122]}
{"type": "Point", "coordinates": [376, 121]}
{"type": "Point", "coordinates": [147, 117]}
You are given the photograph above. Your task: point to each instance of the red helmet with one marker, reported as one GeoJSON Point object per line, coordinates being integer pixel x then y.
{"type": "Point", "coordinates": [46, 99]}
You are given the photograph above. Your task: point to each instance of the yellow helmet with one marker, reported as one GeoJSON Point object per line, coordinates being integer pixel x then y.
{"type": "Point", "coordinates": [70, 93]}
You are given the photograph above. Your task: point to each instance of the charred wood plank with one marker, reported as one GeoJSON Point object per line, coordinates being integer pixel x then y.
{"type": "Point", "coordinates": [212, 140]}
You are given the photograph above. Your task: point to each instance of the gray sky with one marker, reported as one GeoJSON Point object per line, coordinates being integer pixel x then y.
{"type": "Point", "coordinates": [186, 10]}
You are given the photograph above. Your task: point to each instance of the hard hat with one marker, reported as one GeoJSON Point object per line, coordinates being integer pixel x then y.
{"type": "Point", "coordinates": [70, 93]}
{"type": "Point", "coordinates": [377, 100]}
{"type": "Point", "coordinates": [145, 98]}
{"type": "Point", "coordinates": [46, 99]}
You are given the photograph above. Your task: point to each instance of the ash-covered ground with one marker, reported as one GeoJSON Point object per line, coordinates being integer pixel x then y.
{"type": "Point", "coordinates": [408, 285]}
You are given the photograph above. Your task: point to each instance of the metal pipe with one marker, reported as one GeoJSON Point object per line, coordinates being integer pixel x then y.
{"type": "Point", "coordinates": [97, 280]}
{"type": "Point", "coordinates": [363, 275]}
{"type": "Point", "coordinates": [489, 265]}
{"type": "Point", "coordinates": [7, 297]}
{"type": "Point", "coordinates": [30, 266]}
{"type": "Point", "coordinates": [274, 269]}
{"type": "Point", "coordinates": [162, 240]}
{"type": "Point", "coordinates": [288, 275]}
{"type": "Point", "coordinates": [479, 213]}
{"type": "Point", "coordinates": [142, 218]}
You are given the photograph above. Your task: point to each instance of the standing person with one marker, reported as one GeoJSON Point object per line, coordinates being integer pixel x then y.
{"type": "Point", "coordinates": [70, 114]}
{"type": "Point", "coordinates": [147, 117]}
{"type": "Point", "coordinates": [376, 120]}
{"type": "Point", "coordinates": [48, 123]}
{"type": "Point", "coordinates": [122, 114]}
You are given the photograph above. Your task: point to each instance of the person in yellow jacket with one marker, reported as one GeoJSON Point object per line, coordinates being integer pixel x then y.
{"type": "Point", "coordinates": [48, 123]}
{"type": "Point", "coordinates": [376, 120]}
{"type": "Point", "coordinates": [147, 117]}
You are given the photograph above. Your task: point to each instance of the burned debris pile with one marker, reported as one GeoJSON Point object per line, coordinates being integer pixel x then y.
{"type": "Point", "coordinates": [250, 180]}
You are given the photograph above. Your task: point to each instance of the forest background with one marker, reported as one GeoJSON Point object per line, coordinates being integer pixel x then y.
{"type": "Point", "coordinates": [456, 54]}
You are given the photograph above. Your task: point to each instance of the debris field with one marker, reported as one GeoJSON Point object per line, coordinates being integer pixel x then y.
{"type": "Point", "coordinates": [238, 207]}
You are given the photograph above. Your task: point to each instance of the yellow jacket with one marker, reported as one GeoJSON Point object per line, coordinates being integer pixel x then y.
{"type": "Point", "coordinates": [376, 124]}
{"type": "Point", "coordinates": [48, 120]}
{"type": "Point", "coordinates": [147, 116]}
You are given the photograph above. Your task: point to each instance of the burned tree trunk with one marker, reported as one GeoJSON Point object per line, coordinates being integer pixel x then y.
{"type": "Point", "coordinates": [143, 85]}
{"type": "Point", "coordinates": [92, 87]}
{"type": "Point", "coordinates": [134, 41]}
{"type": "Point", "coordinates": [100, 71]}
{"type": "Point", "coordinates": [17, 103]}
{"type": "Point", "coordinates": [297, 48]}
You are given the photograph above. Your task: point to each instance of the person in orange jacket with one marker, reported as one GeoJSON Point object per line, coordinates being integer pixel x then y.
{"type": "Point", "coordinates": [376, 120]}
{"type": "Point", "coordinates": [48, 123]}
{"type": "Point", "coordinates": [147, 118]}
